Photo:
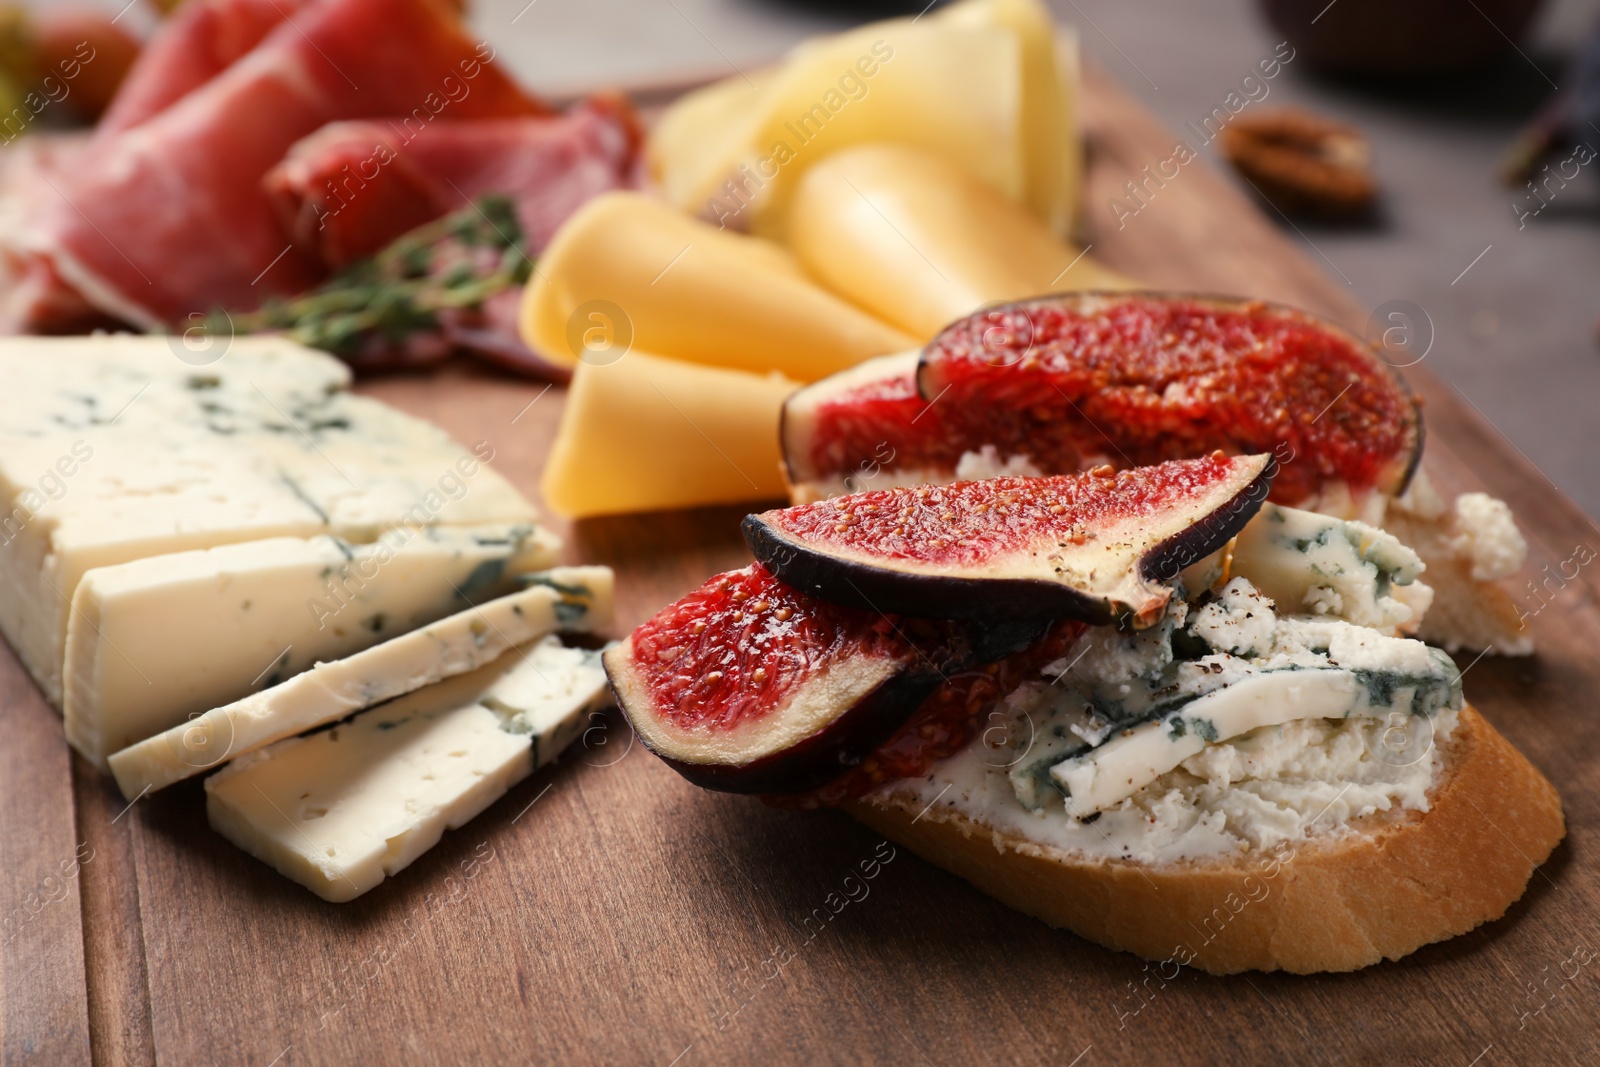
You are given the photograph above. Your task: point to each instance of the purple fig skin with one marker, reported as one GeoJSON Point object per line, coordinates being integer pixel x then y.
{"type": "Point", "coordinates": [861, 584]}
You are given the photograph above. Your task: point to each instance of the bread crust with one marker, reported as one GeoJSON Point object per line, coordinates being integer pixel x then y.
{"type": "Point", "coordinates": [1332, 903]}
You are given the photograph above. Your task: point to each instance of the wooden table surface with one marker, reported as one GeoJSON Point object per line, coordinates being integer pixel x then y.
{"type": "Point", "coordinates": [608, 912]}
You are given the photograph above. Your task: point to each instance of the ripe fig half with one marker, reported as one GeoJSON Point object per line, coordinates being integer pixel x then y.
{"type": "Point", "coordinates": [1063, 383]}
{"type": "Point", "coordinates": [749, 686]}
{"type": "Point", "coordinates": [865, 428]}
{"type": "Point", "coordinates": [1096, 547]}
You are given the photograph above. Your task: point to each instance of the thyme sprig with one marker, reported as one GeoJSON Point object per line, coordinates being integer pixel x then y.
{"type": "Point", "coordinates": [451, 264]}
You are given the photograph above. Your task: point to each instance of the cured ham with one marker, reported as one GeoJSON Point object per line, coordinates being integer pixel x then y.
{"type": "Point", "coordinates": [30, 165]}
{"type": "Point", "coordinates": [199, 42]}
{"type": "Point", "coordinates": [167, 217]}
{"type": "Point", "coordinates": [351, 188]}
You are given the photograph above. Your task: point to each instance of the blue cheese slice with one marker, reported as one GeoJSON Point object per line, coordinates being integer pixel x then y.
{"type": "Point", "coordinates": [566, 598]}
{"type": "Point", "coordinates": [157, 640]}
{"type": "Point", "coordinates": [114, 449]}
{"type": "Point", "coordinates": [341, 809]}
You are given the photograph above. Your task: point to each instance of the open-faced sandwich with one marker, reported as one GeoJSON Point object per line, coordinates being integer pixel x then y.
{"type": "Point", "coordinates": [1153, 705]}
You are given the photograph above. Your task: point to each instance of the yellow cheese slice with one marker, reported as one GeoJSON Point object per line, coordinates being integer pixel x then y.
{"type": "Point", "coordinates": [629, 271]}
{"type": "Point", "coordinates": [990, 85]}
{"type": "Point", "coordinates": [647, 434]}
{"type": "Point", "coordinates": [1052, 156]}
{"type": "Point", "coordinates": [920, 242]}
{"type": "Point", "coordinates": [954, 90]}
{"type": "Point", "coordinates": [692, 143]}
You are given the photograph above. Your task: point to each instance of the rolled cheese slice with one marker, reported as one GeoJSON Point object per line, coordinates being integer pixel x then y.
{"type": "Point", "coordinates": [630, 272]}
{"type": "Point", "coordinates": [692, 142]}
{"type": "Point", "coordinates": [953, 90]}
{"type": "Point", "coordinates": [648, 434]}
{"type": "Point", "coordinates": [920, 242]}
{"type": "Point", "coordinates": [1052, 156]}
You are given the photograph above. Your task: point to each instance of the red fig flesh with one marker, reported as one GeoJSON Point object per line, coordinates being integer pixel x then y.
{"type": "Point", "coordinates": [747, 685]}
{"type": "Point", "coordinates": [1070, 381]}
{"type": "Point", "coordinates": [846, 432]}
{"type": "Point", "coordinates": [1096, 547]}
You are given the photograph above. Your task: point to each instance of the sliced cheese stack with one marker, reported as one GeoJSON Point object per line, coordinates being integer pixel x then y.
{"type": "Point", "coordinates": [159, 639]}
{"type": "Point", "coordinates": [113, 450]}
{"type": "Point", "coordinates": [986, 84]}
{"type": "Point", "coordinates": [574, 599]}
{"type": "Point", "coordinates": [920, 242]}
{"type": "Point", "coordinates": [339, 810]}
{"type": "Point", "coordinates": [627, 271]}
{"type": "Point", "coordinates": [187, 551]}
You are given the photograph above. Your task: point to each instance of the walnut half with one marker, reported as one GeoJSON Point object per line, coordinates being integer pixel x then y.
{"type": "Point", "coordinates": [1303, 163]}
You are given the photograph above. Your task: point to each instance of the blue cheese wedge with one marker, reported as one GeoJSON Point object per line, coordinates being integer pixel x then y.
{"type": "Point", "coordinates": [1308, 562]}
{"type": "Point", "coordinates": [157, 640]}
{"type": "Point", "coordinates": [114, 449]}
{"type": "Point", "coordinates": [566, 598]}
{"type": "Point", "coordinates": [341, 809]}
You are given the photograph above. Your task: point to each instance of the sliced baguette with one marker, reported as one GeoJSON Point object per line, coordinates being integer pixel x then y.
{"type": "Point", "coordinates": [1382, 887]}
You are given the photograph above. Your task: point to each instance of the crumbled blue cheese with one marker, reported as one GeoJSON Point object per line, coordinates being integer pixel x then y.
{"type": "Point", "coordinates": [1241, 621]}
{"type": "Point", "coordinates": [1108, 659]}
{"type": "Point", "coordinates": [1256, 670]}
{"type": "Point", "coordinates": [1275, 784]}
{"type": "Point", "coordinates": [1336, 499]}
{"type": "Point", "coordinates": [1421, 499]}
{"type": "Point", "coordinates": [1107, 775]}
{"type": "Point", "coordinates": [1226, 726]}
{"type": "Point", "coordinates": [1041, 726]}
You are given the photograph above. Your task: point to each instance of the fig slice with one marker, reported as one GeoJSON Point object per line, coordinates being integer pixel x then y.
{"type": "Point", "coordinates": [1097, 547]}
{"type": "Point", "coordinates": [866, 428]}
{"type": "Point", "coordinates": [1063, 383]}
{"type": "Point", "coordinates": [749, 686]}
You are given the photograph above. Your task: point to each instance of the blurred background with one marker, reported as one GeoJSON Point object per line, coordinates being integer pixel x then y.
{"type": "Point", "coordinates": [1511, 297]}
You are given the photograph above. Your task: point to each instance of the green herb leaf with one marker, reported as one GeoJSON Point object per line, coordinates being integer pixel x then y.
{"type": "Point", "coordinates": [454, 263]}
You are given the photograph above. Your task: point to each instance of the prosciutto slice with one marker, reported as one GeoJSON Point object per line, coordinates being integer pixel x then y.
{"type": "Point", "coordinates": [201, 40]}
{"type": "Point", "coordinates": [351, 188]}
{"type": "Point", "coordinates": [167, 218]}
{"type": "Point", "coordinates": [28, 166]}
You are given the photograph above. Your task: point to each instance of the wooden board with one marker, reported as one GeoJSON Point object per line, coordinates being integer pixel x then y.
{"type": "Point", "coordinates": [608, 912]}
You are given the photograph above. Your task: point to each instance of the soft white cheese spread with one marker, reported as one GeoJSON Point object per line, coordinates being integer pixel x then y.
{"type": "Point", "coordinates": [1277, 783]}
{"type": "Point", "coordinates": [986, 463]}
{"type": "Point", "coordinates": [1226, 727]}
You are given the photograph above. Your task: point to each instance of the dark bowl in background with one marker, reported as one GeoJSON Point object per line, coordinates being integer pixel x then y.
{"type": "Point", "coordinates": [1400, 38]}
